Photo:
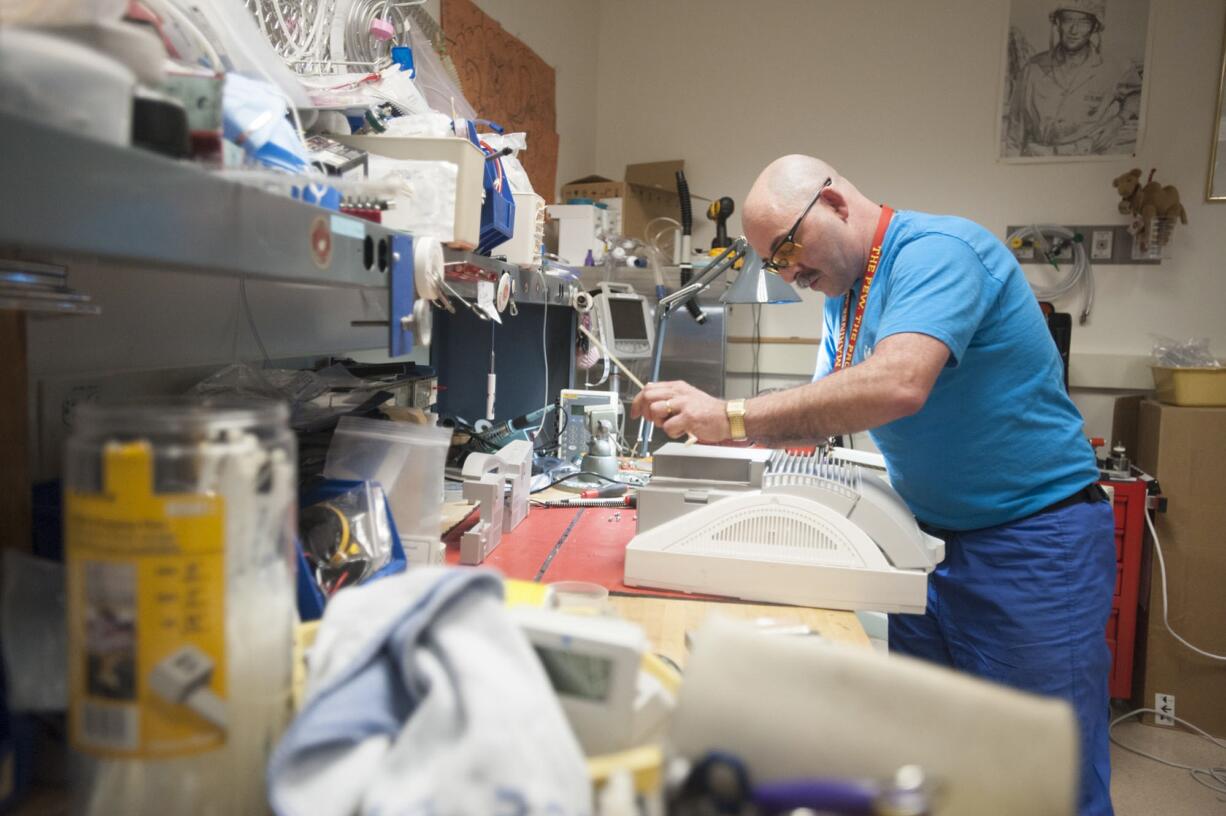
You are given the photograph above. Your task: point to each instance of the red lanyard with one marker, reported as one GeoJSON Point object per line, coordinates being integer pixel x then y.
{"type": "Point", "coordinates": [847, 341]}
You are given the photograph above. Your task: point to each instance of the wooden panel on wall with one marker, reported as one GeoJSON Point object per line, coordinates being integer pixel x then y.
{"type": "Point", "coordinates": [14, 408]}
{"type": "Point", "coordinates": [507, 83]}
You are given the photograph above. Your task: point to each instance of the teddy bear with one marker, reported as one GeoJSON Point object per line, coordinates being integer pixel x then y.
{"type": "Point", "coordinates": [1149, 202]}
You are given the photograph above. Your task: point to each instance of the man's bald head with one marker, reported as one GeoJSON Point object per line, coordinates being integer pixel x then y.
{"type": "Point", "coordinates": [779, 195]}
{"type": "Point", "coordinates": [834, 234]}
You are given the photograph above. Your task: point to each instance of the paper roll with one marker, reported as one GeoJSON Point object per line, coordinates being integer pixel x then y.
{"type": "Point", "coordinates": [427, 267]}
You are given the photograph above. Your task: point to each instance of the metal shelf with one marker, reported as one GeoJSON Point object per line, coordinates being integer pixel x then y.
{"type": "Point", "coordinates": [66, 194]}
{"type": "Point", "coordinates": [529, 287]}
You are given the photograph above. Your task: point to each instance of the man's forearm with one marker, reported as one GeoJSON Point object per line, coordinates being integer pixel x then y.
{"type": "Point", "coordinates": [854, 399]}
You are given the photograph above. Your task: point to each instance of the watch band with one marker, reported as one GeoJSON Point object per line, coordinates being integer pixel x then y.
{"type": "Point", "coordinates": [735, 409]}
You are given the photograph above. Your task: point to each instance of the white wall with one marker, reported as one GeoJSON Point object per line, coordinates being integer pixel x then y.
{"type": "Point", "coordinates": [902, 97]}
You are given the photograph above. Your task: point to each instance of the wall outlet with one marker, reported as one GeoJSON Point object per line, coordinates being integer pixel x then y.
{"type": "Point", "coordinates": [1164, 704]}
{"type": "Point", "coordinates": [1102, 242]}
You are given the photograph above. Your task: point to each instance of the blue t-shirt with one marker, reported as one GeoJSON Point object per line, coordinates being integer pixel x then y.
{"type": "Point", "coordinates": [998, 438]}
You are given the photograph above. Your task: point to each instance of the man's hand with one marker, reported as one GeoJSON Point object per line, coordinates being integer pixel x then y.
{"type": "Point", "coordinates": [679, 408]}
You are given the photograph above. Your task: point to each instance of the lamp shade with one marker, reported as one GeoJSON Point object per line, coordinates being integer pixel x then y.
{"type": "Point", "coordinates": [756, 285]}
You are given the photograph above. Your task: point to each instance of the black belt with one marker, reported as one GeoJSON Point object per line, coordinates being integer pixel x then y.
{"type": "Point", "coordinates": [1090, 493]}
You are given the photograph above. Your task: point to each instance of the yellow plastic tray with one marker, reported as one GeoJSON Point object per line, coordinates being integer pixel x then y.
{"type": "Point", "coordinates": [1200, 387]}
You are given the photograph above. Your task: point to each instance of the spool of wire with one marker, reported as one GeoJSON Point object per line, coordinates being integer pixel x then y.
{"type": "Point", "coordinates": [360, 45]}
{"type": "Point", "coordinates": [296, 29]}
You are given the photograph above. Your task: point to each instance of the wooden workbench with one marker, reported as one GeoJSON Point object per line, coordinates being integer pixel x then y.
{"type": "Point", "coordinates": [562, 544]}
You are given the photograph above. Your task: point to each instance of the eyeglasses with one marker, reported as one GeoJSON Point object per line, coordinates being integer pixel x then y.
{"type": "Point", "coordinates": [784, 254]}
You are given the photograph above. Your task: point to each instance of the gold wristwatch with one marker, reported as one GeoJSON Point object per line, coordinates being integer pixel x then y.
{"type": "Point", "coordinates": [735, 409]}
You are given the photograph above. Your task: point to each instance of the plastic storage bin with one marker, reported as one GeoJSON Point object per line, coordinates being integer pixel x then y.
{"type": "Point", "coordinates": [408, 460]}
{"type": "Point", "coordinates": [1191, 387]}
{"type": "Point", "coordinates": [470, 178]}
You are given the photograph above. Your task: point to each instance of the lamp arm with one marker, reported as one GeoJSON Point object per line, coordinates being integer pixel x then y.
{"type": "Point", "coordinates": [669, 303]}
{"type": "Point", "coordinates": [721, 264]}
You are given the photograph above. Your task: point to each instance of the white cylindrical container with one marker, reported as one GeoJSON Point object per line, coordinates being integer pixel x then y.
{"type": "Point", "coordinates": [179, 527]}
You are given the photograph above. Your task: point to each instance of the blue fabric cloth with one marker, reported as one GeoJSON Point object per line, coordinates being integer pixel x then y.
{"type": "Point", "coordinates": [425, 697]}
{"type": "Point", "coordinates": [1026, 604]}
{"type": "Point", "coordinates": [998, 438]}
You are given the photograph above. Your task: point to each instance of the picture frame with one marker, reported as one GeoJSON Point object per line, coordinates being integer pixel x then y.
{"type": "Point", "coordinates": [1215, 184]}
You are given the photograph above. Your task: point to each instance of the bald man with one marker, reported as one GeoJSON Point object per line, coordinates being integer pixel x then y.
{"type": "Point", "coordinates": [934, 343]}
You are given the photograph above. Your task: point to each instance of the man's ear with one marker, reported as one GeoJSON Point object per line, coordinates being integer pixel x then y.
{"type": "Point", "coordinates": [835, 200]}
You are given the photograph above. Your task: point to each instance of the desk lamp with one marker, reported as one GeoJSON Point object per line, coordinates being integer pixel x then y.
{"type": "Point", "coordinates": [753, 285]}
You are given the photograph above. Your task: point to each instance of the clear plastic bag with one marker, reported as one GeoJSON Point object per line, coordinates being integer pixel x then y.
{"type": "Point", "coordinates": [1190, 353]}
{"type": "Point", "coordinates": [346, 539]}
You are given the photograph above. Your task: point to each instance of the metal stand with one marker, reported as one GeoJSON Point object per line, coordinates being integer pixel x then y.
{"type": "Point", "coordinates": [669, 304]}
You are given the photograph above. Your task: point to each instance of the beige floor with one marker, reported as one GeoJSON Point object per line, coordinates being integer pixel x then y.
{"type": "Point", "coordinates": [1142, 787]}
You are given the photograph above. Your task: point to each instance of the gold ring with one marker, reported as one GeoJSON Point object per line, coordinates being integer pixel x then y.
{"type": "Point", "coordinates": [668, 407]}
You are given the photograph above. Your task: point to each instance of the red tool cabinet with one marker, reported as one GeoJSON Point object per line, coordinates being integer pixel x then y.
{"type": "Point", "coordinates": [1130, 500]}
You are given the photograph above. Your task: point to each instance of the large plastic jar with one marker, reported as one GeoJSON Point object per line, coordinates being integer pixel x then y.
{"type": "Point", "coordinates": [179, 528]}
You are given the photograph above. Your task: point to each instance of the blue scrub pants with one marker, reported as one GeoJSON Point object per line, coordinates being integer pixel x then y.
{"type": "Point", "coordinates": [1026, 604]}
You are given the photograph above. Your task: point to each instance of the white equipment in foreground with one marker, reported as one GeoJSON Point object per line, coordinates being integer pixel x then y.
{"type": "Point", "coordinates": [771, 526]}
{"type": "Point", "coordinates": [594, 665]}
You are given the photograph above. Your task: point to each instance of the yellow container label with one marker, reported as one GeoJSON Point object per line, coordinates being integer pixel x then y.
{"type": "Point", "coordinates": [146, 612]}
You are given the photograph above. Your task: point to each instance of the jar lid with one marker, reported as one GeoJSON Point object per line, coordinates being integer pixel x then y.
{"type": "Point", "coordinates": [182, 414]}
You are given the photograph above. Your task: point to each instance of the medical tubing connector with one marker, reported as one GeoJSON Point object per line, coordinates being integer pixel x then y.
{"type": "Point", "coordinates": [1041, 236]}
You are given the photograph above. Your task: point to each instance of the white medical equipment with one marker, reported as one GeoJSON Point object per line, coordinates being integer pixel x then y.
{"type": "Point", "coordinates": [573, 433]}
{"type": "Point", "coordinates": [624, 320]}
{"type": "Point", "coordinates": [579, 227]}
{"type": "Point", "coordinates": [594, 665]}
{"type": "Point", "coordinates": [502, 509]}
{"type": "Point", "coordinates": [766, 525]}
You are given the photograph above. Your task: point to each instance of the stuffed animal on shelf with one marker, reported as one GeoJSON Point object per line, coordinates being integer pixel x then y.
{"type": "Point", "coordinates": [1148, 202]}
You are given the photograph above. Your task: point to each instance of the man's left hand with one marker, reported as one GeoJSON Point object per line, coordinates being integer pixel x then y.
{"type": "Point", "coordinates": [679, 408]}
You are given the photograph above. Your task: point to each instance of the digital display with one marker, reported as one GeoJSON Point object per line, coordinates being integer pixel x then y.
{"type": "Point", "coordinates": [572, 674]}
{"type": "Point", "coordinates": [628, 320]}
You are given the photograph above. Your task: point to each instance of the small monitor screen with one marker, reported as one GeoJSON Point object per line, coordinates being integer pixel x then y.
{"type": "Point", "coordinates": [628, 320]}
{"type": "Point", "coordinates": [574, 674]}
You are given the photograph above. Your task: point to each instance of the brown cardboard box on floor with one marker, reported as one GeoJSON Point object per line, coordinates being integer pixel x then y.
{"type": "Point", "coordinates": [1185, 449]}
{"type": "Point", "coordinates": [649, 191]}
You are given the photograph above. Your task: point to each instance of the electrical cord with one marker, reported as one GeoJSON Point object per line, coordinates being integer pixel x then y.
{"type": "Point", "coordinates": [1165, 619]}
{"type": "Point", "coordinates": [1213, 778]}
{"type": "Point", "coordinates": [255, 332]}
{"type": "Point", "coordinates": [544, 345]}
{"type": "Point", "coordinates": [575, 475]}
{"type": "Point", "coordinates": [1080, 273]}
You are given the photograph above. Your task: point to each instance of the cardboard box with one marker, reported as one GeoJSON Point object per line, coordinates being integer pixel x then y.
{"type": "Point", "coordinates": [649, 191]}
{"type": "Point", "coordinates": [1185, 449]}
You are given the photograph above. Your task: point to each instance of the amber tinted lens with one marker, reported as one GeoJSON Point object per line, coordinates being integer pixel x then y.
{"type": "Point", "coordinates": [785, 255]}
